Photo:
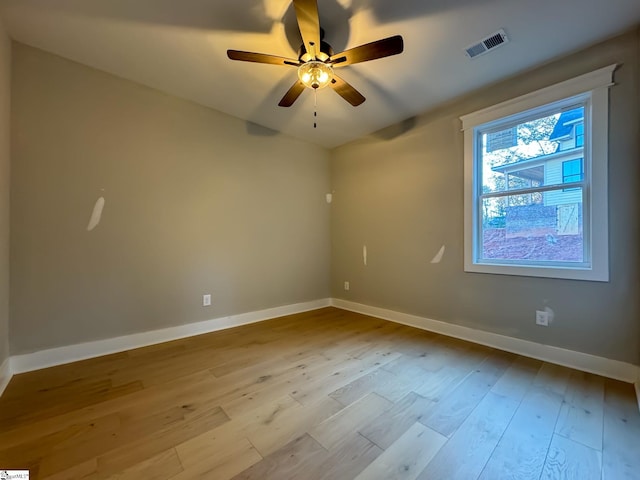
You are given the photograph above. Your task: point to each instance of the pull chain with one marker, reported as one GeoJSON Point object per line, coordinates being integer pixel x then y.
{"type": "Point", "coordinates": [315, 107]}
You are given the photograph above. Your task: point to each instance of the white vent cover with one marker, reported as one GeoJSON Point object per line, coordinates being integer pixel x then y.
{"type": "Point", "coordinates": [489, 43]}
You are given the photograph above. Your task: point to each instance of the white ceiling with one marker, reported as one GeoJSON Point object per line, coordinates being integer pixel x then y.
{"type": "Point", "coordinates": [179, 47]}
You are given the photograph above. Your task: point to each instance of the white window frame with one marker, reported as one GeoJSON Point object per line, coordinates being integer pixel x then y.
{"type": "Point", "coordinates": [592, 88]}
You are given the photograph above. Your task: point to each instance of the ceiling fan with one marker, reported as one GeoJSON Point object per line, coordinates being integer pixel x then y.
{"type": "Point", "coordinates": [316, 60]}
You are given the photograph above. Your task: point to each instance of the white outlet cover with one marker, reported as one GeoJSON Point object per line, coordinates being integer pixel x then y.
{"type": "Point", "coordinates": [206, 300]}
{"type": "Point", "coordinates": [542, 318]}
{"type": "Point", "coordinates": [346, 285]}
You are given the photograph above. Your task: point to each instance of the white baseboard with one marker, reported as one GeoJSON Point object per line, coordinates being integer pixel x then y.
{"type": "Point", "coordinates": [5, 374]}
{"type": "Point", "coordinates": [615, 369]}
{"type": "Point", "coordinates": [72, 353]}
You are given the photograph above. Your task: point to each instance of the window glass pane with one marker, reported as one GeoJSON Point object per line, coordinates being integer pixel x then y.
{"type": "Point", "coordinates": [530, 153]}
{"type": "Point", "coordinates": [580, 135]}
{"type": "Point", "coordinates": [541, 226]}
{"type": "Point", "coordinates": [527, 177]}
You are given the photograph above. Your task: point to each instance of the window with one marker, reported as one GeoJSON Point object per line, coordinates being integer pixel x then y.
{"type": "Point", "coordinates": [536, 205]}
{"type": "Point", "coordinates": [572, 171]}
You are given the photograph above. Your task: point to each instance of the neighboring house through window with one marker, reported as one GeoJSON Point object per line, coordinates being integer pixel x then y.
{"type": "Point", "coordinates": [536, 182]}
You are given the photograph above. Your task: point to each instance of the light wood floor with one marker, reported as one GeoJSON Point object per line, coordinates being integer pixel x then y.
{"type": "Point", "coordinates": [326, 394]}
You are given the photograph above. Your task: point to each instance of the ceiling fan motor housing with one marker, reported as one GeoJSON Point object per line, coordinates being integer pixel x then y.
{"type": "Point", "coordinates": [323, 55]}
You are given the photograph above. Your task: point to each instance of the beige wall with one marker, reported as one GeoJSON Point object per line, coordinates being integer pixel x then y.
{"type": "Point", "coordinates": [195, 202]}
{"type": "Point", "coordinates": [400, 192]}
{"type": "Point", "coordinates": [5, 95]}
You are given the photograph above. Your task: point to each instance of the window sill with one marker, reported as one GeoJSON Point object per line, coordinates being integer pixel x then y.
{"type": "Point", "coordinates": [566, 273]}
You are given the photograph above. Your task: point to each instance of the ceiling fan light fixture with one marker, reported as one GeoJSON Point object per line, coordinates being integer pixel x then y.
{"type": "Point", "coordinates": [315, 74]}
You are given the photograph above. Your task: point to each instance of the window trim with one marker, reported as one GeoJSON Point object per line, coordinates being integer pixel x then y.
{"type": "Point", "coordinates": [594, 86]}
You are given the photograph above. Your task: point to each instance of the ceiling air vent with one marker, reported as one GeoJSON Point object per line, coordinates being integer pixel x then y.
{"type": "Point", "coordinates": [489, 43]}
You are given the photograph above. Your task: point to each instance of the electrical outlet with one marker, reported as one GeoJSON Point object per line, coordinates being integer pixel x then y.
{"type": "Point", "coordinates": [346, 285]}
{"type": "Point", "coordinates": [206, 300]}
{"type": "Point", "coordinates": [542, 318]}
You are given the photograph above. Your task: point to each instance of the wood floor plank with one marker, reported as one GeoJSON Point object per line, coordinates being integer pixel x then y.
{"type": "Point", "coordinates": [407, 457]}
{"type": "Point", "coordinates": [273, 384]}
{"type": "Point", "coordinates": [290, 424]}
{"type": "Point", "coordinates": [201, 447]}
{"type": "Point", "coordinates": [522, 450]}
{"type": "Point", "coordinates": [518, 378]}
{"type": "Point", "coordinates": [148, 446]}
{"type": "Point", "coordinates": [393, 423]}
{"type": "Point", "coordinates": [441, 352]}
{"type": "Point", "coordinates": [569, 459]}
{"type": "Point", "coordinates": [128, 433]}
{"type": "Point", "coordinates": [581, 415]}
{"type": "Point", "coordinates": [406, 366]}
{"type": "Point", "coordinates": [386, 384]}
{"type": "Point", "coordinates": [439, 383]}
{"type": "Point", "coordinates": [322, 386]}
{"type": "Point", "coordinates": [150, 400]}
{"type": "Point", "coordinates": [346, 460]}
{"type": "Point", "coordinates": [156, 371]}
{"type": "Point", "coordinates": [621, 458]}
{"type": "Point", "coordinates": [416, 344]}
{"type": "Point", "coordinates": [82, 471]}
{"type": "Point", "coordinates": [62, 377]}
{"type": "Point", "coordinates": [288, 463]}
{"type": "Point", "coordinates": [467, 452]}
{"type": "Point", "coordinates": [223, 461]}
{"type": "Point", "coordinates": [241, 360]}
{"type": "Point", "coordinates": [51, 404]}
{"type": "Point", "coordinates": [453, 409]}
{"type": "Point", "coordinates": [553, 377]}
{"type": "Point", "coordinates": [269, 370]}
{"type": "Point", "coordinates": [32, 452]}
{"type": "Point", "coordinates": [330, 432]}
{"type": "Point", "coordinates": [163, 466]}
